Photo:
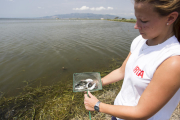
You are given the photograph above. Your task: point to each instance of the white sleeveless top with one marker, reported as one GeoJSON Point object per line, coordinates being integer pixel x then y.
{"type": "Point", "coordinates": [139, 71]}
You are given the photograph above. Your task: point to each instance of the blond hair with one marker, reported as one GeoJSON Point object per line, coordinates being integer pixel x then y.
{"type": "Point", "coordinates": [164, 8]}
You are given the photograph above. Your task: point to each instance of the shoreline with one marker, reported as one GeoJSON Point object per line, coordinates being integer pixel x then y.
{"type": "Point", "coordinates": [119, 20]}
{"type": "Point", "coordinates": [51, 102]}
{"type": "Point", "coordinates": [60, 102]}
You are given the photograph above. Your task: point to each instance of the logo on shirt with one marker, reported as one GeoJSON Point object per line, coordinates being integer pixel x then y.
{"type": "Point", "coordinates": [138, 71]}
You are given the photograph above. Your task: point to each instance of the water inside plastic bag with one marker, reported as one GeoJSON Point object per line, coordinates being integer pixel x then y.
{"type": "Point", "coordinates": [87, 81]}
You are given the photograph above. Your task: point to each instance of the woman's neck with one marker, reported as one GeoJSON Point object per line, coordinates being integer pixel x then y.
{"type": "Point", "coordinates": [160, 39]}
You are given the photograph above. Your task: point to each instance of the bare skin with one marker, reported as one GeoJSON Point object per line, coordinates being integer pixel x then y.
{"type": "Point", "coordinates": [166, 79]}
{"type": "Point", "coordinates": [151, 25]}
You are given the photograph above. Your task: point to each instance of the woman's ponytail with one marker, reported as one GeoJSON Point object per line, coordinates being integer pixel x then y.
{"type": "Point", "coordinates": [176, 28]}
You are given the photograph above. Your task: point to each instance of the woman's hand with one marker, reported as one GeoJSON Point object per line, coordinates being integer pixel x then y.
{"type": "Point", "coordinates": [90, 101]}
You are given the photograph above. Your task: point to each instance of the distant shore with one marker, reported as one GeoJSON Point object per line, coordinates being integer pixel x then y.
{"type": "Point", "coordinates": [124, 20]}
{"type": "Point", "coordinates": [71, 19]}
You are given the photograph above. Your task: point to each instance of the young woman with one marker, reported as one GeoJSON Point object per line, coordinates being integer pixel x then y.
{"type": "Point", "coordinates": [151, 71]}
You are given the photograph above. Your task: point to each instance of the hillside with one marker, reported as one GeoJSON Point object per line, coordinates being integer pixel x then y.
{"type": "Point", "coordinates": [81, 16]}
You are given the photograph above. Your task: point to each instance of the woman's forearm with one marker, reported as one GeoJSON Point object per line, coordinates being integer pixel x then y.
{"type": "Point", "coordinates": [112, 77]}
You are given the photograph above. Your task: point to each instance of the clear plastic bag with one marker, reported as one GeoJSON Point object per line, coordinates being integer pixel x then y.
{"type": "Point", "coordinates": [87, 81]}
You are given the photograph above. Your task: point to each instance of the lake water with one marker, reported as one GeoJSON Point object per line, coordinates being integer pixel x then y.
{"type": "Point", "coordinates": [34, 52]}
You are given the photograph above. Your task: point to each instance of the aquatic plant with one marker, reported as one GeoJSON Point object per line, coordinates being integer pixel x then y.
{"type": "Point", "coordinates": [51, 102]}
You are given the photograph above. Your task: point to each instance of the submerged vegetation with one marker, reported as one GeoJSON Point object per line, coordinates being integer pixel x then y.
{"type": "Point", "coordinates": [54, 102]}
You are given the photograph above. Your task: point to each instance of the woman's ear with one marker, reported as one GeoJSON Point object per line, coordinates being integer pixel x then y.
{"type": "Point", "coordinates": [172, 17]}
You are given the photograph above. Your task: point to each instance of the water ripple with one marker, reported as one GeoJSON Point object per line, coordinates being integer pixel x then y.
{"type": "Point", "coordinates": [36, 50]}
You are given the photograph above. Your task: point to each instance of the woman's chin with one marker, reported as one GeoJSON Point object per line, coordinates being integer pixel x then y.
{"type": "Point", "coordinates": [144, 36]}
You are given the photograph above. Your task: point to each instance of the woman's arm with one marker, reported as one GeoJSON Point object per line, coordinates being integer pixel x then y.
{"type": "Point", "coordinates": [164, 84]}
{"type": "Point", "coordinates": [115, 75]}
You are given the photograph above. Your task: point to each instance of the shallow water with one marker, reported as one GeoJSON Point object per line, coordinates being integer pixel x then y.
{"type": "Point", "coordinates": [44, 52]}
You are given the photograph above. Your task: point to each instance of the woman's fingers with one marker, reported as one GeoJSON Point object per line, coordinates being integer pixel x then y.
{"type": "Point", "coordinates": [87, 103]}
{"type": "Point", "coordinates": [90, 95]}
{"type": "Point", "coordinates": [85, 95]}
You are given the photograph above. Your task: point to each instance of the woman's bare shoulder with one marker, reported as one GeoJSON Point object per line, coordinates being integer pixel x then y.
{"type": "Point", "coordinates": [170, 69]}
{"type": "Point", "coordinates": [172, 64]}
